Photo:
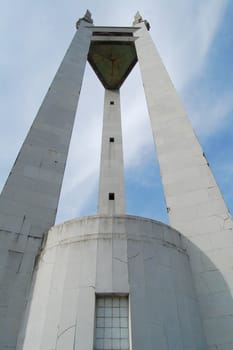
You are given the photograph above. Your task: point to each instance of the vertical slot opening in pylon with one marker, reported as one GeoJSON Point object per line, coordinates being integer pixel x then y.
{"type": "Point", "coordinates": [111, 196]}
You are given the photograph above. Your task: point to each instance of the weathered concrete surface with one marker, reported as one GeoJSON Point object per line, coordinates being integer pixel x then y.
{"type": "Point", "coordinates": [194, 202]}
{"type": "Point", "coordinates": [113, 255]}
{"type": "Point", "coordinates": [111, 164]}
{"type": "Point", "coordinates": [29, 200]}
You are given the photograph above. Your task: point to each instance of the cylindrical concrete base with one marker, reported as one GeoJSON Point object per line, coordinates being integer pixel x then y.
{"type": "Point", "coordinates": [124, 255]}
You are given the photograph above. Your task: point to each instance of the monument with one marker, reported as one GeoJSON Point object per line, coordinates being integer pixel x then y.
{"type": "Point", "coordinates": [114, 281]}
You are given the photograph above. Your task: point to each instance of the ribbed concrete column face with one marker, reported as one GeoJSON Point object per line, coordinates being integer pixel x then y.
{"type": "Point", "coordinates": [194, 202]}
{"type": "Point", "coordinates": [30, 197]}
{"type": "Point", "coordinates": [111, 184]}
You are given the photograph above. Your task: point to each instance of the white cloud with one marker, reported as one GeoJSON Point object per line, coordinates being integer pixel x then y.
{"type": "Point", "coordinates": [184, 31]}
{"type": "Point", "coordinates": [137, 134]}
{"type": "Point", "coordinates": [212, 114]}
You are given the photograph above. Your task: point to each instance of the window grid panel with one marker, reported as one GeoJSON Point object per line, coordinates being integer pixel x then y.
{"type": "Point", "coordinates": [112, 329]}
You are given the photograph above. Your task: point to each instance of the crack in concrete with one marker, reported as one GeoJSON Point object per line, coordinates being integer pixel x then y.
{"type": "Point", "coordinates": [122, 261]}
{"type": "Point", "coordinates": [172, 245]}
{"type": "Point", "coordinates": [65, 330]}
{"type": "Point", "coordinates": [35, 237]}
{"type": "Point", "coordinates": [20, 264]}
{"type": "Point", "coordinates": [134, 256]}
{"type": "Point", "coordinates": [75, 332]}
{"type": "Point", "coordinates": [150, 258]}
{"type": "Point", "coordinates": [24, 218]}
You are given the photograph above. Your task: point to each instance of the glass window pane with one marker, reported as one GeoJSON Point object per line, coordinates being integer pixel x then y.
{"type": "Point", "coordinates": [112, 329]}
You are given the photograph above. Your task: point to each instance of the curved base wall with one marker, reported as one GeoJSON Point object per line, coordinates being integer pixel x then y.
{"type": "Point", "coordinates": [113, 256]}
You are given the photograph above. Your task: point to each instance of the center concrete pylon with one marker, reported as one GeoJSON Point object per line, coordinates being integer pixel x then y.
{"type": "Point", "coordinates": [111, 182]}
{"type": "Point", "coordinates": [114, 281]}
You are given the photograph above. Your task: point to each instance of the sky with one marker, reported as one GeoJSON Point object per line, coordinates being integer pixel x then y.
{"type": "Point", "coordinates": [195, 41]}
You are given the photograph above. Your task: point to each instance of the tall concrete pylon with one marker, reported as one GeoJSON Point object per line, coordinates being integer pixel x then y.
{"type": "Point", "coordinates": [29, 199]}
{"type": "Point", "coordinates": [195, 204]}
{"type": "Point", "coordinates": [114, 281]}
{"type": "Point", "coordinates": [111, 183]}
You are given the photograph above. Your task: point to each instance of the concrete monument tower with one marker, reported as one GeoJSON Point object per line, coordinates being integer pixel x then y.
{"type": "Point", "coordinates": [114, 281]}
